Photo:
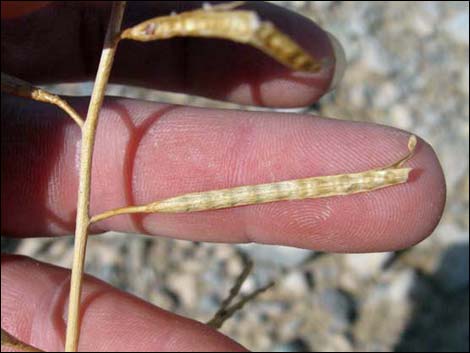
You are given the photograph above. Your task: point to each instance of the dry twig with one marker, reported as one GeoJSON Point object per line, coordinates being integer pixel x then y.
{"type": "Point", "coordinates": [20, 88]}
{"type": "Point", "coordinates": [226, 310]}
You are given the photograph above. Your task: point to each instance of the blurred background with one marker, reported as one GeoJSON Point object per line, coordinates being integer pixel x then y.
{"type": "Point", "coordinates": [408, 67]}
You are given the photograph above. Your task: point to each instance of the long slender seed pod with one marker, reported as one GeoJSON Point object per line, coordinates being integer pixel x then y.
{"type": "Point", "coordinates": [298, 189]}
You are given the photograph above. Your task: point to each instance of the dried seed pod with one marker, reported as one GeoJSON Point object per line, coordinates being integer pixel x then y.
{"type": "Point", "coordinates": [276, 44]}
{"type": "Point", "coordinates": [221, 21]}
{"type": "Point", "coordinates": [298, 189]}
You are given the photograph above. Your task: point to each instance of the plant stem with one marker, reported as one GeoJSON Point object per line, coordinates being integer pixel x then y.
{"type": "Point", "coordinates": [86, 155]}
{"type": "Point", "coordinates": [20, 88]}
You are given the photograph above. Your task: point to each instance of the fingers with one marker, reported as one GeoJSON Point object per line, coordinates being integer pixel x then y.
{"type": "Point", "coordinates": [146, 152]}
{"type": "Point", "coordinates": [34, 306]}
{"type": "Point", "coordinates": [62, 42]}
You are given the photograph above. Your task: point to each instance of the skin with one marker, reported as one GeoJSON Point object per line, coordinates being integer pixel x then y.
{"type": "Point", "coordinates": [147, 151]}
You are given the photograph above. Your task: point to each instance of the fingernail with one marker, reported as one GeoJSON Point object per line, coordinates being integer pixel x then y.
{"type": "Point", "coordinates": [340, 61]}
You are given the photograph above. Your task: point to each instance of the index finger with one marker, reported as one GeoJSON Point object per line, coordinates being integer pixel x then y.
{"type": "Point", "coordinates": [147, 152]}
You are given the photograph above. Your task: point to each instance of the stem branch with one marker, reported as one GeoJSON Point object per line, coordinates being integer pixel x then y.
{"type": "Point", "coordinates": [83, 203]}
{"type": "Point", "coordinates": [15, 86]}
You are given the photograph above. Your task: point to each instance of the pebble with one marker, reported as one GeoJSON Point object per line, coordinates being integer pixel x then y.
{"type": "Point", "coordinates": [184, 286]}
{"type": "Point", "coordinates": [401, 117]}
{"type": "Point", "coordinates": [294, 284]}
{"type": "Point", "coordinates": [366, 265]}
{"type": "Point", "coordinates": [400, 287]}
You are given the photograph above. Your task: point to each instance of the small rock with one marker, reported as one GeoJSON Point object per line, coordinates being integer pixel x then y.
{"type": "Point", "coordinates": [234, 266]}
{"type": "Point", "coordinates": [295, 284]}
{"type": "Point", "coordinates": [366, 265]}
{"type": "Point", "coordinates": [184, 286]}
{"type": "Point", "coordinates": [401, 117]}
{"type": "Point", "coordinates": [400, 287]}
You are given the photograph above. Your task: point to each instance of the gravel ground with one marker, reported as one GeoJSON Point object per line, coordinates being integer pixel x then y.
{"type": "Point", "coordinates": [408, 68]}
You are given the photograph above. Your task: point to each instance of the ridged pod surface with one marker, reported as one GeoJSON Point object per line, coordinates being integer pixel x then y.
{"type": "Point", "coordinates": [297, 189]}
{"type": "Point", "coordinates": [221, 21]}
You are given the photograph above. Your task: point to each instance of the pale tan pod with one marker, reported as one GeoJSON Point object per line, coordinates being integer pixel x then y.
{"type": "Point", "coordinates": [221, 21]}
{"type": "Point", "coordinates": [279, 46]}
{"type": "Point", "coordinates": [297, 189]}
{"type": "Point", "coordinates": [238, 26]}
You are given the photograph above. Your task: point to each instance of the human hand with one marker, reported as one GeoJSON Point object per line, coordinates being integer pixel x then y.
{"type": "Point", "coordinates": [147, 151]}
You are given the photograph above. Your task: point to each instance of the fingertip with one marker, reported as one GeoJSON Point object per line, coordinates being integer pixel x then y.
{"type": "Point", "coordinates": [429, 180]}
{"type": "Point", "coordinates": [275, 85]}
{"type": "Point", "coordinates": [418, 204]}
